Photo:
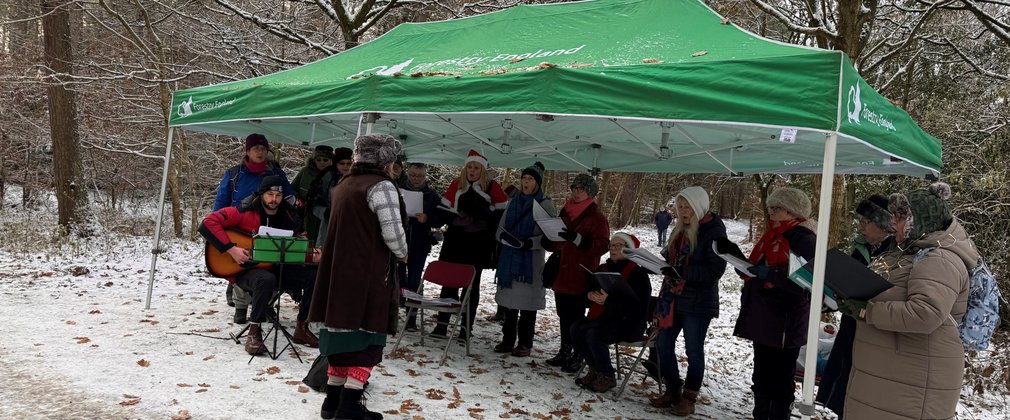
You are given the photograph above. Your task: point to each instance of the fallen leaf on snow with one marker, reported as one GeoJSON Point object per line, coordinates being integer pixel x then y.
{"type": "Point", "coordinates": [82, 340]}
{"type": "Point", "coordinates": [143, 363]}
{"type": "Point", "coordinates": [234, 386]}
{"type": "Point", "coordinates": [587, 408]}
{"type": "Point", "coordinates": [273, 370]}
{"type": "Point", "coordinates": [71, 322]}
{"type": "Point", "coordinates": [412, 372]}
{"type": "Point", "coordinates": [183, 415]}
{"type": "Point", "coordinates": [183, 385]}
{"type": "Point", "coordinates": [292, 382]}
{"type": "Point", "coordinates": [204, 385]}
{"type": "Point", "coordinates": [128, 402]}
{"type": "Point", "coordinates": [303, 389]}
{"type": "Point", "coordinates": [435, 394]}
{"type": "Point", "coordinates": [201, 390]}
{"type": "Point", "coordinates": [94, 312]}
{"type": "Point", "coordinates": [208, 358]}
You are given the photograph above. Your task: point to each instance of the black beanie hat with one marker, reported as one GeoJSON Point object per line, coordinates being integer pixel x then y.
{"type": "Point", "coordinates": [324, 151]}
{"type": "Point", "coordinates": [874, 209]}
{"type": "Point", "coordinates": [271, 183]}
{"type": "Point", "coordinates": [536, 170]}
{"type": "Point", "coordinates": [342, 153]}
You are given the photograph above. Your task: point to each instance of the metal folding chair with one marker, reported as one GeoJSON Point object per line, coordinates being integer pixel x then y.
{"type": "Point", "coordinates": [445, 274]}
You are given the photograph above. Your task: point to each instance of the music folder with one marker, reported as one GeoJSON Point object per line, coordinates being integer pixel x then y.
{"type": "Point", "coordinates": [844, 277]}
{"type": "Point", "coordinates": [612, 283]}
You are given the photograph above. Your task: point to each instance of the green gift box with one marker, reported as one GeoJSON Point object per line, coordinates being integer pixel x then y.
{"type": "Point", "coordinates": [271, 248]}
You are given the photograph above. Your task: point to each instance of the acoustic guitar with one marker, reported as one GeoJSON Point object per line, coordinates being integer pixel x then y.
{"type": "Point", "coordinates": [220, 264]}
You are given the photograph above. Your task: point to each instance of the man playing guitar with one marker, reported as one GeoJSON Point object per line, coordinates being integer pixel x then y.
{"type": "Point", "coordinates": [264, 208]}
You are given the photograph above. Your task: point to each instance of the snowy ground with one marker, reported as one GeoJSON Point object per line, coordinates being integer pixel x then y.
{"type": "Point", "coordinates": [78, 342]}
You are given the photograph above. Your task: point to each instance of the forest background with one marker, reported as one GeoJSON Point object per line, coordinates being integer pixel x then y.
{"type": "Point", "coordinates": [86, 93]}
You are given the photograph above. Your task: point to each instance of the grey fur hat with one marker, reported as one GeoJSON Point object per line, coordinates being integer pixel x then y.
{"type": "Point", "coordinates": [795, 201]}
{"type": "Point", "coordinates": [874, 209]}
{"type": "Point", "coordinates": [587, 183]}
{"type": "Point", "coordinates": [377, 149]}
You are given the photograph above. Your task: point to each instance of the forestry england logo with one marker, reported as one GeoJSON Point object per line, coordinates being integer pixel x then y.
{"type": "Point", "coordinates": [470, 62]}
{"type": "Point", "coordinates": [858, 112]}
{"type": "Point", "coordinates": [187, 108]}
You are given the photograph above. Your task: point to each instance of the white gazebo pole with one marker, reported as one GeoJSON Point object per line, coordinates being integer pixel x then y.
{"type": "Point", "coordinates": [161, 213]}
{"type": "Point", "coordinates": [817, 288]}
{"type": "Point", "coordinates": [369, 122]}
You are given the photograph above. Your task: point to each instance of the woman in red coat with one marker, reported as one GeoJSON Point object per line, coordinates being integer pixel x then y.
{"type": "Point", "coordinates": [586, 238]}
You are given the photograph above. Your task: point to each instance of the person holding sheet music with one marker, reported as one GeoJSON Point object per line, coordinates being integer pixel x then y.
{"type": "Point", "coordinates": [521, 291]}
{"type": "Point", "coordinates": [419, 237]}
{"type": "Point", "coordinates": [472, 205]}
{"type": "Point", "coordinates": [774, 309]}
{"type": "Point", "coordinates": [614, 317]}
{"type": "Point", "coordinates": [908, 356]}
{"type": "Point", "coordinates": [264, 208]}
{"type": "Point", "coordinates": [874, 239]}
{"type": "Point", "coordinates": [356, 292]}
{"type": "Point", "coordinates": [586, 237]}
{"type": "Point", "coordinates": [689, 297]}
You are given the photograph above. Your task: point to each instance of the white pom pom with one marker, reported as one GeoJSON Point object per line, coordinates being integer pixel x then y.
{"type": "Point", "coordinates": [941, 189]}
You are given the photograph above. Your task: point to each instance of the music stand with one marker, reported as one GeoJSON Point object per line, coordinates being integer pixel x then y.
{"type": "Point", "coordinates": [279, 250]}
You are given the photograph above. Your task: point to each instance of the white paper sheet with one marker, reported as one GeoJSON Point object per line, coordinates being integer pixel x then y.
{"type": "Point", "coordinates": [550, 225]}
{"type": "Point", "coordinates": [645, 259]}
{"type": "Point", "coordinates": [267, 230]}
{"type": "Point", "coordinates": [737, 262]}
{"type": "Point", "coordinates": [413, 200]}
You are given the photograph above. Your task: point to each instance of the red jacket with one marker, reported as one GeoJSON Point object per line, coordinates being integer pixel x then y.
{"type": "Point", "coordinates": [245, 218]}
{"type": "Point", "coordinates": [595, 231]}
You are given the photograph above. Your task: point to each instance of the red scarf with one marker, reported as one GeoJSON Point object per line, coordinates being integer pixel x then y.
{"type": "Point", "coordinates": [575, 209]}
{"type": "Point", "coordinates": [256, 168]}
{"type": "Point", "coordinates": [773, 248]}
{"type": "Point", "coordinates": [596, 310]}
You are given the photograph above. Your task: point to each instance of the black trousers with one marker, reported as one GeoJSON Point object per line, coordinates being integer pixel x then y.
{"type": "Point", "coordinates": [521, 324]}
{"type": "Point", "coordinates": [262, 283]}
{"type": "Point", "coordinates": [453, 292]}
{"type": "Point", "coordinates": [571, 309]}
{"type": "Point", "coordinates": [592, 340]}
{"type": "Point", "coordinates": [774, 370]}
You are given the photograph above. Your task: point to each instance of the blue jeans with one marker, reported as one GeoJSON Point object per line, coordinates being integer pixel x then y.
{"type": "Point", "coordinates": [695, 329]}
{"type": "Point", "coordinates": [662, 235]}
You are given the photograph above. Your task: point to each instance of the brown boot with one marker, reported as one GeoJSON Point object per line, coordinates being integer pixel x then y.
{"type": "Point", "coordinates": [303, 336]}
{"type": "Point", "coordinates": [587, 380]}
{"type": "Point", "coordinates": [686, 405]}
{"type": "Point", "coordinates": [254, 340]}
{"type": "Point", "coordinates": [667, 399]}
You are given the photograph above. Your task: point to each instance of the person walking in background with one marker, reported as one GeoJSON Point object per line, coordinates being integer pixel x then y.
{"type": "Point", "coordinates": [419, 237]}
{"type": "Point", "coordinates": [238, 183]}
{"type": "Point", "coordinates": [354, 303]}
{"type": "Point", "coordinates": [907, 356]}
{"type": "Point", "coordinates": [663, 219]}
{"type": "Point", "coordinates": [874, 239]}
{"type": "Point", "coordinates": [689, 298]}
{"type": "Point", "coordinates": [321, 186]}
{"type": "Point", "coordinates": [321, 159]}
{"type": "Point", "coordinates": [472, 206]}
{"type": "Point", "coordinates": [520, 268]}
{"type": "Point", "coordinates": [586, 238]}
{"type": "Point", "coordinates": [773, 309]}
{"type": "Point", "coordinates": [614, 317]}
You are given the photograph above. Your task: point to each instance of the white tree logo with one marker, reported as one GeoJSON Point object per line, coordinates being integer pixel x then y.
{"type": "Point", "coordinates": [382, 70]}
{"type": "Point", "coordinates": [186, 108]}
{"type": "Point", "coordinates": [854, 105]}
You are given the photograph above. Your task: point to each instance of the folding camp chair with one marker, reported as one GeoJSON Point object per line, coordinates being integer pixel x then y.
{"type": "Point", "coordinates": [445, 274]}
{"type": "Point", "coordinates": [635, 351]}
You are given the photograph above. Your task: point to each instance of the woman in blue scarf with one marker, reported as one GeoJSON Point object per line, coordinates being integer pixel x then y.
{"type": "Point", "coordinates": [521, 264]}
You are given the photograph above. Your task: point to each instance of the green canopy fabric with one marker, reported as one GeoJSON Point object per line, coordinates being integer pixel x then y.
{"type": "Point", "coordinates": [623, 85]}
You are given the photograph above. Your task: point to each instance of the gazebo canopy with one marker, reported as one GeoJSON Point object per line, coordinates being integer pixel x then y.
{"type": "Point", "coordinates": [622, 85]}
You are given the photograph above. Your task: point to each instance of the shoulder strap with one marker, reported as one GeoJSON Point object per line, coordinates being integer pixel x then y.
{"type": "Point", "coordinates": [232, 178]}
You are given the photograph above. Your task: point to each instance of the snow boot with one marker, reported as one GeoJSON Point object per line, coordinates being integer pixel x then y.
{"type": "Point", "coordinates": [685, 407]}
{"type": "Point", "coordinates": [587, 380]}
{"type": "Point", "coordinates": [227, 295]}
{"type": "Point", "coordinates": [353, 408]}
{"type": "Point", "coordinates": [254, 340]}
{"type": "Point", "coordinates": [330, 403]}
{"type": "Point", "coordinates": [303, 336]}
{"type": "Point", "coordinates": [240, 316]}
{"type": "Point", "coordinates": [603, 383]}
{"type": "Point", "coordinates": [564, 353]}
{"type": "Point", "coordinates": [573, 364]}
{"type": "Point", "coordinates": [669, 398]}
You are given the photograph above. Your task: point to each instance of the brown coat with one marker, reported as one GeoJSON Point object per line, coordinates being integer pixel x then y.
{"type": "Point", "coordinates": [907, 358]}
{"type": "Point", "coordinates": [353, 290]}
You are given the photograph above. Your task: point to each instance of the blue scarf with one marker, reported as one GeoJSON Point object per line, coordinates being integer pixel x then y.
{"type": "Point", "coordinates": [516, 264]}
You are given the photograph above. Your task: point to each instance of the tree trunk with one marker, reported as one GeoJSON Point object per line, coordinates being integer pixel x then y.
{"type": "Point", "coordinates": [71, 197]}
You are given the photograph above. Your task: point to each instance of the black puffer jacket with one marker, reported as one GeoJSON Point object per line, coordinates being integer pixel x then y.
{"type": "Point", "coordinates": [701, 273]}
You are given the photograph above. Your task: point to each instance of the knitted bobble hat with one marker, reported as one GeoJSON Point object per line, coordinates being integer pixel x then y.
{"type": "Point", "coordinates": [792, 200]}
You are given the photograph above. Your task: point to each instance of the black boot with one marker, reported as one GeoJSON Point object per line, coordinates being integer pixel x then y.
{"type": "Point", "coordinates": [227, 295]}
{"type": "Point", "coordinates": [780, 409]}
{"type": "Point", "coordinates": [352, 408]}
{"type": "Point", "coordinates": [564, 353]}
{"type": "Point", "coordinates": [761, 407]}
{"type": "Point", "coordinates": [331, 402]}
{"type": "Point", "coordinates": [573, 364]}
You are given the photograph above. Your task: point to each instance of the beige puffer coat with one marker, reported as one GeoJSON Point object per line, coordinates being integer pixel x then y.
{"type": "Point", "coordinates": [907, 359]}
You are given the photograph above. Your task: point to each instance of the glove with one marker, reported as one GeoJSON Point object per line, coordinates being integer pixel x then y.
{"type": "Point", "coordinates": [670, 272]}
{"type": "Point", "coordinates": [527, 245]}
{"type": "Point", "coordinates": [511, 241]}
{"type": "Point", "coordinates": [760, 271]}
{"type": "Point", "coordinates": [853, 307]}
{"type": "Point", "coordinates": [570, 236]}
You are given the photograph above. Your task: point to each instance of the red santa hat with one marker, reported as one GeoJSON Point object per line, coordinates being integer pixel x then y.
{"type": "Point", "coordinates": [628, 238]}
{"type": "Point", "coordinates": [473, 156]}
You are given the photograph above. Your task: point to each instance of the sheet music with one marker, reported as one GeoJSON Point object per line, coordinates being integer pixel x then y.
{"type": "Point", "coordinates": [733, 258]}
{"type": "Point", "coordinates": [550, 225]}
{"type": "Point", "coordinates": [645, 259]}
{"type": "Point", "coordinates": [269, 231]}
{"type": "Point", "coordinates": [413, 200]}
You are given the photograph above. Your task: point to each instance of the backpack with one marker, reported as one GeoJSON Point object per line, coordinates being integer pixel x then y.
{"type": "Point", "coordinates": [982, 315]}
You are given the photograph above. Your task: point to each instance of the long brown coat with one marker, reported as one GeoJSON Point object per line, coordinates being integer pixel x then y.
{"type": "Point", "coordinates": [353, 290]}
{"type": "Point", "coordinates": [907, 358]}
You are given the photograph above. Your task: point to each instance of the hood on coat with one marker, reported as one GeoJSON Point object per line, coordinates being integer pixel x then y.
{"type": "Point", "coordinates": [811, 224]}
{"type": "Point", "coordinates": [954, 239]}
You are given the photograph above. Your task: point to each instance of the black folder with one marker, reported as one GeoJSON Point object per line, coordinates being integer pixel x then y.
{"type": "Point", "coordinates": [850, 279]}
{"type": "Point", "coordinates": [612, 283]}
